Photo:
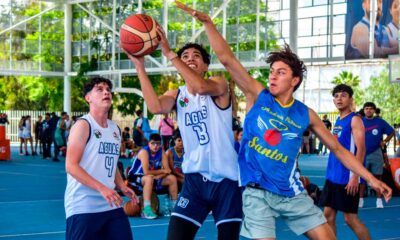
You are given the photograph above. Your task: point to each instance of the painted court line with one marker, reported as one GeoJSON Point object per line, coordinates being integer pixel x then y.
{"type": "Point", "coordinates": [36, 201]}
{"type": "Point", "coordinates": [31, 175]}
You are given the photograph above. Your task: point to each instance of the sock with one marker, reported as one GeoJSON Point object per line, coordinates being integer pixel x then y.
{"type": "Point", "coordinates": [146, 203]}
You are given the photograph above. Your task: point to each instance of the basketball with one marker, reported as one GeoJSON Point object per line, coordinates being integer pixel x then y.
{"type": "Point", "coordinates": [132, 209]}
{"type": "Point", "coordinates": [138, 35]}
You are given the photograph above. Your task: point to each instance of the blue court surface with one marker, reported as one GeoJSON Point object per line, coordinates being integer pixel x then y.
{"type": "Point", "coordinates": [32, 207]}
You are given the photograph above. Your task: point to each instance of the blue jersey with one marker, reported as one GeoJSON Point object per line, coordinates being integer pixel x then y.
{"type": "Point", "coordinates": [336, 171]}
{"type": "Point", "coordinates": [272, 138]}
{"type": "Point", "coordinates": [155, 162]}
{"type": "Point", "coordinates": [177, 160]}
{"type": "Point", "coordinates": [374, 130]}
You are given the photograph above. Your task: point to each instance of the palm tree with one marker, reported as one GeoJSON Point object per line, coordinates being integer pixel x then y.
{"type": "Point", "coordinates": [353, 81]}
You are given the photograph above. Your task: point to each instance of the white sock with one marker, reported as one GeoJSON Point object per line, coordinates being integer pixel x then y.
{"type": "Point", "coordinates": [146, 203]}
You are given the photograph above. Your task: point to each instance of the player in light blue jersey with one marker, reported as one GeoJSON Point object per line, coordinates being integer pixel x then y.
{"type": "Point", "coordinates": [92, 206]}
{"type": "Point", "coordinates": [204, 116]}
{"type": "Point", "coordinates": [341, 189]}
{"type": "Point", "coordinates": [273, 129]}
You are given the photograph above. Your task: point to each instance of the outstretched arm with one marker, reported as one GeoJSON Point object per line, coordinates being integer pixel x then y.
{"type": "Point", "coordinates": [250, 87]}
{"type": "Point", "coordinates": [156, 105]}
{"type": "Point", "coordinates": [215, 86]}
{"type": "Point", "coordinates": [347, 158]}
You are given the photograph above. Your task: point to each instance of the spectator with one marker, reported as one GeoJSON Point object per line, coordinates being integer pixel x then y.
{"type": "Point", "coordinates": [20, 136]}
{"type": "Point", "coordinates": [38, 133]}
{"type": "Point", "coordinates": [375, 128]}
{"type": "Point", "coordinates": [27, 134]}
{"type": "Point", "coordinates": [175, 156]}
{"type": "Point", "coordinates": [238, 139]}
{"type": "Point", "coordinates": [328, 125]}
{"type": "Point", "coordinates": [46, 136]}
{"type": "Point", "coordinates": [166, 128]}
{"type": "Point", "coordinates": [126, 144]}
{"type": "Point", "coordinates": [150, 170]}
{"type": "Point", "coordinates": [138, 134]}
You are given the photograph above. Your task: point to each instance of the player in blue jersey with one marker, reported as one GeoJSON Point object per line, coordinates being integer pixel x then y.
{"type": "Point", "coordinates": [272, 136]}
{"type": "Point", "coordinates": [150, 170]}
{"type": "Point", "coordinates": [92, 206]}
{"type": "Point", "coordinates": [340, 192]}
{"type": "Point", "coordinates": [375, 129]}
{"type": "Point", "coordinates": [175, 156]}
{"type": "Point", "coordinates": [204, 116]}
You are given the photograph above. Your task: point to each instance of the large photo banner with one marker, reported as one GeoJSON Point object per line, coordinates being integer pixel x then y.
{"type": "Point", "coordinates": [358, 28]}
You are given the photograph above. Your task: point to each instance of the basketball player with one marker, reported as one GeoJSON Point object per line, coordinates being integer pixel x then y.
{"type": "Point", "coordinates": [204, 115]}
{"type": "Point", "coordinates": [175, 156]}
{"type": "Point", "coordinates": [272, 136]}
{"type": "Point", "coordinates": [92, 206]}
{"type": "Point", "coordinates": [341, 190]}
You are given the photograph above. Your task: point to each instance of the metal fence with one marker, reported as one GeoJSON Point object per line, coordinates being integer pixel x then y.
{"type": "Point", "coordinates": [14, 116]}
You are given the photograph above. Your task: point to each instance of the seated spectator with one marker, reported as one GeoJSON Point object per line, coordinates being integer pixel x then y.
{"type": "Point", "coordinates": [175, 156]}
{"type": "Point", "coordinates": [150, 171]}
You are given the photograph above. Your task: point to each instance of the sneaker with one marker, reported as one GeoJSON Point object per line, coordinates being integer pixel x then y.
{"type": "Point", "coordinates": [148, 213]}
{"type": "Point", "coordinates": [379, 203]}
{"type": "Point", "coordinates": [361, 203]}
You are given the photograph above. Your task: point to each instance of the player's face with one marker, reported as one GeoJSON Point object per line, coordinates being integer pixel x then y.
{"type": "Point", "coordinates": [178, 143]}
{"type": "Point", "coordinates": [379, 10]}
{"type": "Point", "coordinates": [342, 101]}
{"type": "Point", "coordinates": [193, 58]}
{"type": "Point", "coordinates": [369, 112]}
{"type": "Point", "coordinates": [154, 145]}
{"type": "Point", "coordinates": [100, 96]}
{"type": "Point", "coordinates": [240, 136]}
{"type": "Point", "coordinates": [281, 78]}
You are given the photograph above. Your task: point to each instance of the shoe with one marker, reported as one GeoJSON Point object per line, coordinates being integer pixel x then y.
{"type": "Point", "coordinates": [361, 203]}
{"type": "Point", "coordinates": [56, 160]}
{"type": "Point", "coordinates": [148, 213]}
{"type": "Point", "coordinates": [379, 203]}
{"type": "Point", "coordinates": [34, 154]}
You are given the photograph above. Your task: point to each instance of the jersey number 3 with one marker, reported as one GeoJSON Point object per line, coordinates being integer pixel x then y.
{"type": "Point", "coordinates": [202, 134]}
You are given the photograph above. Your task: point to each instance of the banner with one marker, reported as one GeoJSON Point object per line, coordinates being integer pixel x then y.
{"type": "Point", "coordinates": [358, 19]}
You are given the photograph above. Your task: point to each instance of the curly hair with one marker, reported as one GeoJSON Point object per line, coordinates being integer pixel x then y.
{"type": "Point", "coordinates": [93, 82]}
{"type": "Point", "coordinates": [205, 55]}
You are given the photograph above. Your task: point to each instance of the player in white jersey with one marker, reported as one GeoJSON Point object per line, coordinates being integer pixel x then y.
{"type": "Point", "coordinates": [92, 206]}
{"type": "Point", "coordinates": [210, 162]}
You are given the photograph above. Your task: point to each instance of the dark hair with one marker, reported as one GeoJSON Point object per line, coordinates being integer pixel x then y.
{"type": "Point", "coordinates": [139, 112]}
{"type": "Point", "coordinates": [369, 104]}
{"type": "Point", "coordinates": [176, 134]}
{"type": "Point", "coordinates": [155, 137]}
{"type": "Point", "coordinates": [292, 60]}
{"type": "Point", "coordinates": [93, 82]}
{"type": "Point", "coordinates": [204, 54]}
{"type": "Point", "coordinates": [361, 112]}
{"type": "Point", "coordinates": [342, 88]}
{"type": "Point", "coordinates": [239, 130]}
{"type": "Point", "coordinates": [126, 128]}
{"type": "Point", "coordinates": [377, 111]}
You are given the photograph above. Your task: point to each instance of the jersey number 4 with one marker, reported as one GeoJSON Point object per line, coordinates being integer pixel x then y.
{"type": "Point", "coordinates": [109, 164]}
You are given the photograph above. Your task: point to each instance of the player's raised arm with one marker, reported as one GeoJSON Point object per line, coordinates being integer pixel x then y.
{"type": "Point", "coordinates": [250, 87]}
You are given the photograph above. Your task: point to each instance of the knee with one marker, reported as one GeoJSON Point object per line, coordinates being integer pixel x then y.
{"type": "Point", "coordinates": [349, 219]}
{"type": "Point", "coordinates": [147, 180]}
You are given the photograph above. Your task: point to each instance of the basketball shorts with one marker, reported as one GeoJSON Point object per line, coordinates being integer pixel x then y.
{"type": "Point", "coordinates": [199, 196]}
{"type": "Point", "coordinates": [335, 196]}
{"type": "Point", "coordinates": [113, 224]}
{"type": "Point", "coordinates": [374, 162]}
{"type": "Point", "coordinates": [136, 181]}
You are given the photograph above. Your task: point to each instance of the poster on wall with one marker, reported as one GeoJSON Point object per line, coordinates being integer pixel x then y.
{"type": "Point", "coordinates": [386, 30]}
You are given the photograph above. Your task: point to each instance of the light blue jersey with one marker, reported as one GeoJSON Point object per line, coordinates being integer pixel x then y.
{"type": "Point", "coordinates": [272, 138]}
{"type": "Point", "coordinates": [336, 171]}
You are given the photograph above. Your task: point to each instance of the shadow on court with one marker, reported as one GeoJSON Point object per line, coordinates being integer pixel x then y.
{"type": "Point", "coordinates": [32, 204]}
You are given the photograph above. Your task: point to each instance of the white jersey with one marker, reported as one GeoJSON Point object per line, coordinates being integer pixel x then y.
{"type": "Point", "coordinates": [207, 137]}
{"type": "Point", "coordinates": [99, 160]}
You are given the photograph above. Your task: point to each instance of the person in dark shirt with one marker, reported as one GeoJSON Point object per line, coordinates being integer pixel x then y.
{"type": "Point", "coordinates": [328, 125]}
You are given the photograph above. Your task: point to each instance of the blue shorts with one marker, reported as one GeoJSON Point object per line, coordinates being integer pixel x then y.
{"type": "Point", "coordinates": [199, 196]}
{"type": "Point", "coordinates": [112, 224]}
{"type": "Point", "coordinates": [136, 181]}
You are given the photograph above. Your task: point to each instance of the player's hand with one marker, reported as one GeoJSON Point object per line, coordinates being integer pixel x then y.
{"type": "Point", "coordinates": [111, 196]}
{"type": "Point", "coordinates": [167, 171]}
{"type": "Point", "coordinates": [202, 17]}
{"type": "Point", "coordinates": [352, 186]}
{"type": "Point", "coordinates": [165, 48]}
{"type": "Point", "coordinates": [130, 194]}
{"type": "Point", "coordinates": [138, 61]}
{"type": "Point", "coordinates": [382, 188]}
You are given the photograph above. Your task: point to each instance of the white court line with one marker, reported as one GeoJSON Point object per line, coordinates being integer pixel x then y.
{"type": "Point", "coordinates": [36, 201]}
{"type": "Point", "coordinates": [63, 232]}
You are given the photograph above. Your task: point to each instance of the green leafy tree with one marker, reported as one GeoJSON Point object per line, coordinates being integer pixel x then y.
{"type": "Point", "coordinates": [353, 81]}
{"type": "Point", "coordinates": [385, 95]}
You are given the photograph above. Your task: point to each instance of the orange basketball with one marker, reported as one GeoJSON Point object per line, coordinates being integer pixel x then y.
{"type": "Point", "coordinates": [132, 209]}
{"type": "Point", "coordinates": [138, 35]}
